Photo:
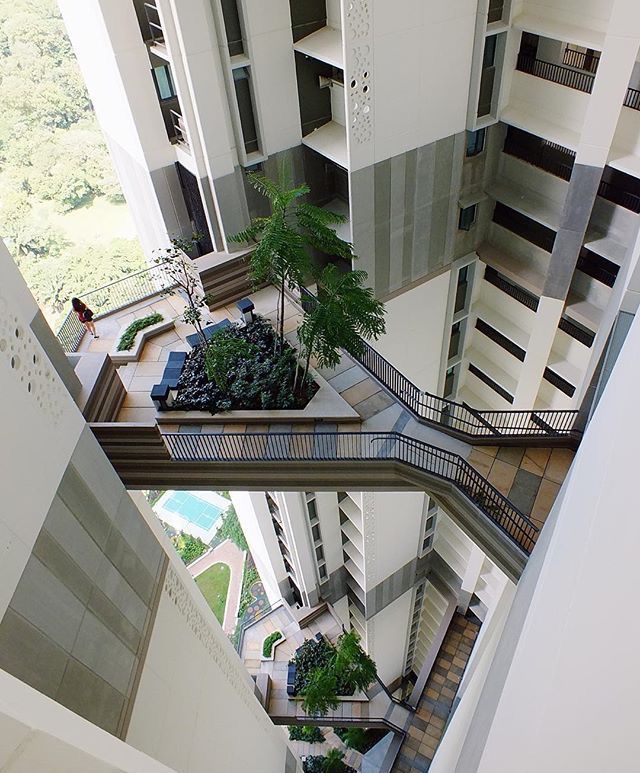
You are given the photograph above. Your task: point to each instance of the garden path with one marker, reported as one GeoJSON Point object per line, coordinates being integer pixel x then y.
{"type": "Point", "coordinates": [229, 553]}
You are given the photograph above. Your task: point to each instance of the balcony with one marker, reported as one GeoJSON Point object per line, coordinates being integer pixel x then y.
{"type": "Point", "coordinates": [541, 153]}
{"type": "Point", "coordinates": [632, 99]}
{"type": "Point", "coordinates": [556, 73]}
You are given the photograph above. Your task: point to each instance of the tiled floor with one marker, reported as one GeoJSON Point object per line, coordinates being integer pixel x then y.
{"type": "Point", "coordinates": [529, 477]}
{"type": "Point", "coordinates": [428, 722]}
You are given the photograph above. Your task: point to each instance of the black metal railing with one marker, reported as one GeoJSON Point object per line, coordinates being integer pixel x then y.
{"type": "Point", "coordinates": [617, 195]}
{"type": "Point", "coordinates": [597, 267]}
{"type": "Point", "coordinates": [558, 382]}
{"type": "Point", "coordinates": [583, 60]}
{"type": "Point", "coordinates": [491, 383]}
{"type": "Point", "coordinates": [109, 298]}
{"type": "Point", "coordinates": [558, 73]}
{"type": "Point", "coordinates": [517, 293]}
{"type": "Point", "coordinates": [524, 226]}
{"type": "Point", "coordinates": [543, 154]}
{"type": "Point", "coordinates": [576, 331]}
{"type": "Point", "coordinates": [632, 99]}
{"type": "Point", "coordinates": [321, 447]}
{"type": "Point", "coordinates": [499, 338]}
{"type": "Point", "coordinates": [455, 417]}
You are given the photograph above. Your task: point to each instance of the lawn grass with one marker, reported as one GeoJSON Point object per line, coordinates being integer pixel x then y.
{"type": "Point", "coordinates": [214, 584]}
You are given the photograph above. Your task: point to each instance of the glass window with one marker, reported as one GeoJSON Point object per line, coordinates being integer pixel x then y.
{"type": "Point", "coordinates": [164, 81]}
{"type": "Point", "coordinates": [475, 142]}
{"type": "Point", "coordinates": [323, 572]}
{"type": "Point", "coordinates": [319, 553]}
{"type": "Point", "coordinates": [467, 217]}
{"type": "Point", "coordinates": [315, 533]}
{"type": "Point", "coordinates": [454, 341]}
{"type": "Point", "coordinates": [311, 507]}
{"type": "Point", "coordinates": [489, 57]}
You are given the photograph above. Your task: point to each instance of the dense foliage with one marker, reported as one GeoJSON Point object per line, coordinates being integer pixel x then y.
{"type": "Point", "coordinates": [189, 548]}
{"type": "Point", "coordinates": [307, 733]}
{"type": "Point", "coordinates": [223, 351]}
{"type": "Point", "coordinates": [230, 529]}
{"type": "Point", "coordinates": [330, 763]}
{"type": "Point", "coordinates": [270, 640]}
{"type": "Point", "coordinates": [264, 381]}
{"type": "Point", "coordinates": [313, 655]}
{"type": "Point", "coordinates": [359, 738]}
{"type": "Point", "coordinates": [54, 164]}
{"type": "Point", "coordinates": [128, 338]}
{"type": "Point", "coordinates": [249, 577]}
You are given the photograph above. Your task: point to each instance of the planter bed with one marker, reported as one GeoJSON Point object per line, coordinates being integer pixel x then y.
{"type": "Point", "coordinates": [133, 354]}
{"type": "Point", "coordinates": [262, 381]}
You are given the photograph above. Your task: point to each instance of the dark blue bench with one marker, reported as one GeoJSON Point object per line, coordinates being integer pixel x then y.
{"type": "Point", "coordinates": [194, 338]}
{"type": "Point", "coordinates": [161, 393]}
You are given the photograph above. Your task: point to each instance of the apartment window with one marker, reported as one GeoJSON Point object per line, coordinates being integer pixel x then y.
{"type": "Point", "coordinates": [454, 341]}
{"type": "Point", "coordinates": [320, 553]}
{"type": "Point", "coordinates": [489, 55]}
{"type": "Point", "coordinates": [461, 290]}
{"type": "Point", "coordinates": [233, 27]}
{"type": "Point", "coordinates": [244, 98]}
{"type": "Point", "coordinates": [475, 142]}
{"type": "Point", "coordinates": [323, 572]}
{"type": "Point", "coordinates": [449, 381]}
{"type": "Point", "coordinates": [164, 82]}
{"type": "Point", "coordinates": [313, 511]}
{"type": "Point", "coordinates": [315, 533]}
{"type": "Point", "coordinates": [467, 217]}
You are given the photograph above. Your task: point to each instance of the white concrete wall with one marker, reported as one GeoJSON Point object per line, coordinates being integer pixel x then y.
{"type": "Point", "coordinates": [396, 534]}
{"type": "Point", "coordinates": [416, 331]}
{"type": "Point", "coordinates": [386, 635]}
{"type": "Point", "coordinates": [580, 618]}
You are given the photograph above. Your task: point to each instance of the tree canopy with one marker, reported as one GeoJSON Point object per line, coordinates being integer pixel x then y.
{"type": "Point", "coordinates": [53, 159]}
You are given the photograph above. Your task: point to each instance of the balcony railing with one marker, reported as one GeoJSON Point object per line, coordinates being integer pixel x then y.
{"type": "Point", "coordinates": [543, 154]}
{"type": "Point", "coordinates": [558, 73]}
{"type": "Point", "coordinates": [632, 99]}
{"type": "Point", "coordinates": [581, 60]}
{"type": "Point", "coordinates": [371, 447]}
{"type": "Point", "coordinates": [179, 128]}
{"type": "Point", "coordinates": [117, 295]}
{"type": "Point", "coordinates": [620, 196]}
{"type": "Point", "coordinates": [517, 293]}
{"type": "Point", "coordinates": [156, 33]}
{"type": "Point", "coordinates": [568, 326]}
{"type": "Point", "coordinates": [458, 418]}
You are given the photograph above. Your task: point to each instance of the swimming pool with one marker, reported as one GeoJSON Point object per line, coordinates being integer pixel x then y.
{"type": "Point", "coordinates": [193, 509]}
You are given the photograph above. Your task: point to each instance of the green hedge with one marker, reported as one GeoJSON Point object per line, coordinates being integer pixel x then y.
{"type": "Point", "coordinates": [129, 336]}
{"type": "Point", "coordinates": [267, 644]}
{"type": "Point", "coordinates": [308, 733]}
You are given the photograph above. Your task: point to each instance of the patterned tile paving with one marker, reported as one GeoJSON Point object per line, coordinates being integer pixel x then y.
{"type": "Point", "coordinates": [428, 723]}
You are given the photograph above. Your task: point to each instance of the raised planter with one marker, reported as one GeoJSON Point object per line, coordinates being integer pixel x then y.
{"type": "Point", "coordinates": [276, 644]}
{"type": "Point", "coordinates": [133, 354]}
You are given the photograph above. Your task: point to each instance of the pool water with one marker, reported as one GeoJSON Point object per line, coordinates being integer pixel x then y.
{"type": "Point", "coordinates": [193, 509]}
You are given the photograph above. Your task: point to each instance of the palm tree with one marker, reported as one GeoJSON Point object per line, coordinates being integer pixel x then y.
{"type": "Point", "coordinates": [345, 312]}
{"type": "Point", "coordinates": [352, 664]}
{"type": "Point", "coordinates": [333, 761]}
{"type": "Point", "coordinates": [320, 692]}
{"type": "Point", "coordinates": [285, 237]}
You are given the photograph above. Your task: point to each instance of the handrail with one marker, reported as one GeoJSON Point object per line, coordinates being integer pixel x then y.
{"type": "Point", "coordinates": [372, 447]}
{"type": "Point", "coordinates": [111, 297]}
{"type": "Point", "coordinates": [557, 73]}
{"type": "Point", "coordinates": [632, 99]}
{"type": "Point", "coordinates": [456, 418]}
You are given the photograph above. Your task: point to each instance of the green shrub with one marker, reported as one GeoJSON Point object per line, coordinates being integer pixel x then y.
{"type": "Point", "coordinates": [230, 529]}
{"type": "Point", "coordinates": [129, 336]}
{"type": "Point", "coordinates": [224, 352]}
{"type": "Point", "coordinates": [246, 597]}
{"type": "Point", "coordinates": [189, 548]}
{"type": "Point", "coordinates": [267, 644]}
{"type": "Point", "coordinates": [307, 733]}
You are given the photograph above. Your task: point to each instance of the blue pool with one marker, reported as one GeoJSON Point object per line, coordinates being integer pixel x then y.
{"type": "Point", "coordinates": [193, 509]}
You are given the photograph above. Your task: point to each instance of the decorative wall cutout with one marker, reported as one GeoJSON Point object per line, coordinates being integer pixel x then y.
{"type": "Point", "coordinates": [28, 363]}
{"type": "Point", "coordinates": [368, 523]}
{"type": "Point", "coordinates": [360, 78]}
{"type": "Point", "coordinates": [180, 596]}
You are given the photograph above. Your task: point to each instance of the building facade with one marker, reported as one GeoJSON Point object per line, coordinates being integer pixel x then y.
{"type": "Point", "coordinates": [486, 157]}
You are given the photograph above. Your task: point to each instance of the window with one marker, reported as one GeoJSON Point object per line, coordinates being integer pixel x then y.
{"type": "Point", "coordinates": [319, 553]}
{"type": "Point", "coordinates": [323, 572]}
{"type": "Point", "coordinates": [315, 532]}
{"type": "Point", "coordinates": [475, 142]}
{"type": "Point", "coordinates": [244, 97]}
{"type": "Point", "coordinates": [489, 56]}
{"type": "Point", "coordinates": [311, 507]}
{"type": "Point", "coordinates": [467, 217]}
{"type": "Point", "coordinates": [454, 341]}
{"type": "Point", "coordinates": [449, 382]}
{"type": "Point", "coordinates": [164, 82]}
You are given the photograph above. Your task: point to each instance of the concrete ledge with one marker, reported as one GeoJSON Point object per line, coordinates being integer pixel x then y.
{"type": "Point", "coordinates": [325, 405]}
{"type": "Point", "coordinates": [142, 336]}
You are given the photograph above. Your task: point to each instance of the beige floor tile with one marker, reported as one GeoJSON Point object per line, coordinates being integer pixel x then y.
{"type": "Point", "coordinates": [151, 352]}
{"type": "Point", "coordinates": [137, 415]}
{"type": "Point", "coordinates": [142, 383]}
{"type": "Point", "coordinates": [545, 498]}
{"type": "Point", "coordinates": [360, 391]}
{"type": "Point", "coordinates": [502, 476]}
{"type": "Point", "coordinates": [535, 460]}
{"type": "Point", "coordinates": [101, 344]}
{"type": "Point", "coordinates": [489, 450]}
{"type": "Point", "coordinates": [480, 460]}
{"type": "Point", "coordinates": [149, 369]}
{"type": "Point", "coordinates": [558, 464]}
{"type": "Point", "coordinates": [164, 339]}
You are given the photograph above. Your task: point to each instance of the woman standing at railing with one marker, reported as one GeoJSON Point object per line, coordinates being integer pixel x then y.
{"type": "Point", "coordinates": [85, 315]}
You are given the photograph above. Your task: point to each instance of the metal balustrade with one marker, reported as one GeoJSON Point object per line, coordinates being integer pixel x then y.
{"type": "Point", "coordinates": [456, 418]}
{"type": "Point", "coordinates": [557, 73]}
{"type": "Point", "coordinates": [358, 447]}
{"type": "Point", "coordinates": [632, 99]}
{"type": "Point", "coordinates": [581, 59]}
{"type": "Point", "coordinates": [617, 195]}
{"type": "Point", "coordinates": [112, 297]}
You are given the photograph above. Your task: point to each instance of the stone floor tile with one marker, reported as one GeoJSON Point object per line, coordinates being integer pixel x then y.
{"type": "Point", "coordinates": [558, 464]}
{"type": "Point", "coordinates": [502, 476]}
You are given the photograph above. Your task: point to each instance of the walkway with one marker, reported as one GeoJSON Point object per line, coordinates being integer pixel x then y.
{"type": "Point", "coordinates": [226, 553]}
{"type": "Point", "coordinates": [428, 723]}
